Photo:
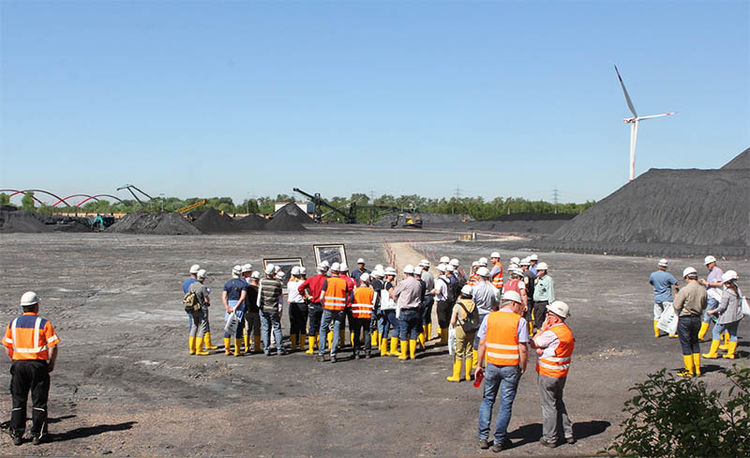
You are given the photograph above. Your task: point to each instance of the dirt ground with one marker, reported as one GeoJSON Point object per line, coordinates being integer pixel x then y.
{"type": "Point", "coordinates": [125, 384]}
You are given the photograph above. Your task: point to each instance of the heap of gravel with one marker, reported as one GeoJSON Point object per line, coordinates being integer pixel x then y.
{"type": "Point", "coordinates": [154, 223]}
{"type": "Point", "coordinates": [293, 210]}
{"type": "Point", "coordinates": [701, 208]}
{"type": "Point", "coordinates": [212, 221]}
{"type": "Point", "coordinates": [250, 222]}
{"type": "Point", "coordinates": [284, 222]}
{"type": "Point", "coordinates": [21, 221]}
{"type": "Point", "coordinates": [741, 161]}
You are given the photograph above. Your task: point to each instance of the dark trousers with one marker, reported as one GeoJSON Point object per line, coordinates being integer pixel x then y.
{"type": "Point", "coordinates": [687, 329]}
{"type": "Point", "coordinates": [29, 376]}
{"type": "Point", "coordinates": [444, 311]}
{"type": "Point", "coordinates": [427, 311]}
{"type": "Point", "coordinates": [315, 313]}
{"type": "Point", "coordinates": [540, 313]}
{"type": "Point", "coordinates": [297, 318]}
{"type": "Point", "coordinates": [362, 326]}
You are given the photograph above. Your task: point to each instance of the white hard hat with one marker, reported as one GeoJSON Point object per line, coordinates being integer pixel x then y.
{"type": "Point", "coordinates": [524, 262]}
{"type": "Point", "coordinates": [390, 271]}
{"type": "Point", "coordinates": [515, 260]}
{"type": "Point", "coordinates": [364, 277]}
{"type": "Point", "coordinates": [426, 264]}
{"type": "Point", "coordinates": [466, 290]}
{"type": "Point", "coordinates": [295, 270]}
{"type": "Point", "coordinates": [483, 272]}
{"type": "Point", "coordinates": [247, 268]}
{"type": "Point", "coordinates": [495, 254]}
{"type": "Point", "coordinates": [663, 263]}
{"type": "Point", "coordinates": [511, 296]}
{"type": "Point", "coordinates": [201, 273]}
{"type": "Point", "coordinates": [709, 260]}
{"type": "Point", "coordinates": [277, 268]}
{"type": "Point", "coordinates": [450, 268]}
{"type": "Point", "coordinates": [343, 267]}
{"type": "Point", "coordinates": [422, 262]}
{"type": "Point", "coordinates": [255, 275]}
{"type": "Point", "coordinates": [378, 267]}
{"type": "Point", "coordinates": [408, 269]}
{"type": "Point", "coordinates": [445, 259]}
{"type": "Point", "coordinates": [360, 261]}
{"type": "Point", "coordinates": [729, 275]}
{"type": "Point", "coordinates": [533, 257]}
{"type": "Point", "coordinates": [29, 298]}
{"type": "Point", "coordinates": [441, 267]}
{"type": "Point", "coordinates": [237, 269]}
{"type": "Point", "coordinates": [270, 269]}
{"type": "Point", "coordinates": [302, 270]}
{"type": "Point", "coordinates": [482, 263]}
{"type": "Point", "coordinates": [325, 263]}
{"type": "Point", "coordinates": [517, 271]}
{"type": "Point", "coordinates": [454, 262]}
{"type": "Point", "coordinates": [475, 264]}
{"type": "Point", "coordinates": [512, 267]}
{"type": "Point", "coordinates": [377, 273]}
{"type": "Point", "coordinates": [542, 266]}
{"type": "Point", "coordinates": [195, 268]}
{"type": "Point", "coordinates": [335, 267]}
{"type": "Point", "coordinates": [689, 271]}
{"type": "Point", "coordinates": [322, 267]}
{"type": "Point", "coordinates": [280, 274]}
{"type": "Point", "coordinates": [483, 260]}
{"type": "Point", "coordinates": [559, 308]}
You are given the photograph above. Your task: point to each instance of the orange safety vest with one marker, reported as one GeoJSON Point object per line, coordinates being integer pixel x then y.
{"type": "Point", "coordinates": [30, 337]}
{"type": "Point", "coordinates": [497, 279]}
{"type": "Point", "coordinates": [336, 294]}
{"type": "Point", "coordinates": [557, 366]}
{"type": "Point", "coordinates": [362, 307]}
{"type": "Point", "coordinates": [502, 339]}
{"type": "Point", "coordinates": [473, 280]}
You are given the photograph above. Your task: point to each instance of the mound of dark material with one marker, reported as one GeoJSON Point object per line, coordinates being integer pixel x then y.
{"type": "Point", "coordinates": [21, 221]}
{"type": "Point", "coordinates": [521, 226]}
{"type": "Point", "coordinates": [284, 222]}
{"type": "Point", "coordinates": [293, 210]}
{"type": "Point", "coordinates": [428, 219]}
{"type": "Point", "coordinates": [741, 161]}
{"type": "Point", "coordinates": [212, 221]}
{"type": "Point", "coordinates": [154, 223]}
{"type": "Point", "coordinates": [250, 222]}
{"type": "Point", "coordinates": [533, 217]}
{"type": "Point", "coordinates": [677, 207]}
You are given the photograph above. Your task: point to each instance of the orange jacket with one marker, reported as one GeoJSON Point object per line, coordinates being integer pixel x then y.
{"type": "Point", "coordinates": [30, 337]}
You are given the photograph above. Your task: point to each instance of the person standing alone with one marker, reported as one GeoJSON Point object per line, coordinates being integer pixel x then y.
{"type": "Point", "coordinates": [663, 282]}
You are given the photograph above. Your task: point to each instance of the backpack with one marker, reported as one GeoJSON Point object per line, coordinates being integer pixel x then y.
{"type": "Point", "coordinates": [191, 302]}
{"type": "Point", "coordinates": [451, 291]}
{"type": "Point", "coordinates": [471, 322]}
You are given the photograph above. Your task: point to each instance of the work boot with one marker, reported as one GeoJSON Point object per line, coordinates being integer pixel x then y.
{"type": "Point", "coordinates": [207, 342]}
{"type": "Point", "coordinates": [191, 345]}
{"type": "Point", "coordinates": [384, 347]}
{"type": "Point", "coordinates": [246, 339]}
{"type": "Point", "coordinates": [443, 336]}
{"type": "Point", "coordinates": [351, 338]}
{"type": "Point", "coordinates": [394, 346]}
{"type": "Point", "coordinates": [301, 341]}
{"type": "Point", "coordinates": [256, 344]}
{"type": "Point", "coordinates": [689, 371]}
{"type": "Point", "coordinates": [713, 353]}
{"type": "Point", "coordinates": [474, 359]}
{"type": "Point", "coordinates": [374, 339]}
{"type": "Point", "coordinates": [697, 364]}
{"type": "Point", "coordinates": [456, 377]}
{"type": "Point", "coordinates": [673, 336]}
{"type": "Point", "coordinates": [412, 348]}
{"type": "Point", "coordinates": [402, 355]}
{"type": "Point", "coordinates": [329, 339]}
{"type": "Point", "coordinates": [730, 350]}
{"type": "Point", "coordinates": [420, 339]}
{"type": "Point", "coordinates": [342, 339]}
{"type": "Point", "coordinates": [310, 345]}
{"type": "Point", "coordinates": [293, 339]}
{"type": "Point", "coordinates": [237, 349]}
{"type": "Point", "coordinates": [199, 347]}
{"type": "Point", "coordinates": [656, 329]}
{"type": "Point", "coordinates": [227, 346]}
{"type": "Point", "coordinates": [428, 332]}
{"type": "Point", "coordinates": [725, 344]}
{"type": "Point", "coordinates": [703, 331]}
{"type": "Point", "coordinates": [468, 369]}
{"type": "Point", "coordinates": [16, 438]}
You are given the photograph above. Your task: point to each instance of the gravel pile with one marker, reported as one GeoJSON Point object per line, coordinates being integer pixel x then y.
{"type": "Point", "coordinates": [21, 221]}
{"type": "Point", "coordinates": [293, 210]}
{"type": "Point", "coordinates": [250, 223]}
{"type": "Point", "coordinates": [212, 221]}
{"type": "Point", "coordinates": [741, 161]}
{"type": "Point", "coordinates": [284, 222]}
{"type": "Point", "coordinates": [154, 223]}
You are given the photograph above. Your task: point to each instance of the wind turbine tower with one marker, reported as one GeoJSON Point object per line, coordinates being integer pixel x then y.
{"type": "Point", "coordinates": [634, 121]}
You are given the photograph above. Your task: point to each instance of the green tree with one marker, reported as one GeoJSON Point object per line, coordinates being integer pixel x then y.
{"type": "Point", "coordinates": [27, 203]}
{"type": "Point", "coordinates": [4, 199]}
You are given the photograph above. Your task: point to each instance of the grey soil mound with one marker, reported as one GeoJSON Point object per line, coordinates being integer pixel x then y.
{"type": "Point", "coordinates": [154, 223]}
{"type": "Point", "coordinates": [428, 219]}
{"type": "Point", "coordinates": [212, 221]}
{"type": "Point", "coordinates": [293, 210]}
{"type": "Point", "coordinates": [21, 221]}
{"type": "Point", "coordinates": [250, 223]}
{"type": "Point", "coordinates": [284, 222]}
{"type": "Point", "coordinates": [741, 161]}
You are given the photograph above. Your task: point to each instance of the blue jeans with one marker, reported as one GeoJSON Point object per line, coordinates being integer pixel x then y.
{"type": "Point", "coordinates": [710, 305]}
{"type": "Point", "coordinates": [731, 328]}
{"type": "Point", "coordinates": [504, 378]}
{"type": "Point", "coordinates": [268, 320]}
{"type": "Point", "coordinates": [337, 317]}
{"type": "Point", "coordinates": [384, 326]}
{"type": "Point", "coordinates": [395, 322]}
{"type": "Point", "coordinates": [409, 324]}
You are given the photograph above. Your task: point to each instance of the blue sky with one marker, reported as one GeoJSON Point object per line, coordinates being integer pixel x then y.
{"type": "Point", "coordinates": [249, 98]}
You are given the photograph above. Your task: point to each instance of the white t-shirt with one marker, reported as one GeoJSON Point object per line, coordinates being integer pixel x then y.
{"type": "Point", "coordinates": [293, 295]}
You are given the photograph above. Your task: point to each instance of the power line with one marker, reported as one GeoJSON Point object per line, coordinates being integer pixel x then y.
{"type": "Point", "coordinates": [555, 198]}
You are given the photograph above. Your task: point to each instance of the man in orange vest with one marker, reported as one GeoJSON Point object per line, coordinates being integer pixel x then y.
{"type": "Point", "coordinates": [503, 339]}
{"type": "Point", "coordinates": [554, 344]}
{"type": "Point", "coordinates": [496, 274]}
{"type": "Point", "coordinates": [334, 296]}
{"type": "Point", "coordinates": [362, 314]}
{"type": "Point", "coordinates": [31, 343]}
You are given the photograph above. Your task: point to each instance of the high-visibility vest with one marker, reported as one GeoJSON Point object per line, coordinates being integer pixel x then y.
{"type": "Point", "coordinates": [30, 337]}
{"type": "Point", "coordinates": [557, 366]}
{"type": "Point", "coordinates": [497, 279]}
{"type": "Point", "coordinates": [473, 280]}
{"type": "Point", "coordinates": [502, 339]}
{"type": "Point", "coordinates": [514, 285]}
{"type": "Point", "coordinates": [336, 294]}
{"type": "Point", "coordinates": [362, 307]}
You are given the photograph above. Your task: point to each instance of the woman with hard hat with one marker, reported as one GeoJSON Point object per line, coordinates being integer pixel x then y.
{"type": "Point", "coordinates": [390, 322]}
{"type": "Point", "coordinates": [297, 308]}
{"type": "Point", "coordinates": [465, 320]}
{"type": "Point", "coordinates": [730, 314]}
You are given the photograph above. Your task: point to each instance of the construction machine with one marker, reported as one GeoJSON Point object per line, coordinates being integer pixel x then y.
{"type": "Point", "coordinates": [184, 211]}
{"type": "Point", "coordinates": [349, 212]}
{"type": "Point", "coordinates": [130, 188]}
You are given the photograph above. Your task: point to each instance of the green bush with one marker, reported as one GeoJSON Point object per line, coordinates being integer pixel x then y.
{"type": "Point", "coordinates": [678, 417]}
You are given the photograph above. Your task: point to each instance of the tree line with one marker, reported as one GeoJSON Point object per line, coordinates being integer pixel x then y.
{"type": "Point", "coordinates": [476, 207]}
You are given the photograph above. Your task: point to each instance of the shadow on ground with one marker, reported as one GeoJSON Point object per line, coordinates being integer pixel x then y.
{"type": "Point", "coordinates": [88, 431]}
{"type": "Point", "coordinates": [533, 432]}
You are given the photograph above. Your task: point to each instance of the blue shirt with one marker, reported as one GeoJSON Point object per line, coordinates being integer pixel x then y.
{"type": "Point", "coordinates": [234, 288]}
{"type": "Point", "coordinates": [663, 282]}
{"type": "Point", "coordinates": [186, 285]}
{"type": "Point", "coordinates": [356, 273]}
{"type": "Point", "coordinates": [523, 328]}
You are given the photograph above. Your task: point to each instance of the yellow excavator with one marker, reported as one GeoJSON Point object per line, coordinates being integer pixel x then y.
{"type": "Point", "coordinates": [184, 210]}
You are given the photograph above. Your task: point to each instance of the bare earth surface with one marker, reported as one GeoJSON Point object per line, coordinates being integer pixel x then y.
{"type": "Point", "coordinates": [125, 384]}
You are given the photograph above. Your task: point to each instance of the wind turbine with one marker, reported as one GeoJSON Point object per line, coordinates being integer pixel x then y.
{"type": "Point", "coordinates": [634, 121]}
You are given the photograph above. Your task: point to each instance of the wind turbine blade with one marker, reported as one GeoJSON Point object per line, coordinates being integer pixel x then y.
{"type": "Point", "coordinates": [657, 115]}
{"type": "Point", "coordinates": [625, 91]}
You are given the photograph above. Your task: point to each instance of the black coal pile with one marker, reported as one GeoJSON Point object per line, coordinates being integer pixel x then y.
{"type": "Point", "coordinates": [293, 210]}
{"type": "Point", "coordinates": [666, 208]}
{"type": "Point", "coordinates": [250, 222]}
{"type": "Point", "coordinates": [154, 223]}
{"type": "Point", "coordinates": [741, 161]}
{"type": "Point", "coordinates": [284, 222]}
{"type": "Point", "coordinates": [212, 221]}
{"type": "Point", "coordinates": [12, 220]}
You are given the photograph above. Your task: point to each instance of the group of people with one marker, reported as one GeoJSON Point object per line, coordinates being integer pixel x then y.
{"type": "Point", "coordinates": [492, 318]}
{"type": "Point", "coordinates": [700, 302]}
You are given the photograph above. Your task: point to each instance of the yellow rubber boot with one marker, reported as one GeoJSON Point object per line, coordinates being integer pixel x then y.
{"type": "Point", "coordinates": [474, 359]}
{"type": "Point", "coordinates": [468, 369]}
{"type": "Point", "coordinates": [428, 332]}
{"type": "Point", "coordinates": [656, 329]}
{"type": "Point", "coordinates": [227, 345]}
{"type": "Point", "coordinates": [199, 347]}
{"type": "Point", "coordinates": [351, 338]}
{"type": "Point", "coordinates": [207, 342]}
{"type": "Point", "coordinates": [293, 339]}
{"type": "Point", "coordinates": [310, 345]}
{"type": "Point", "coordinates": [412, 348]}
{"type": "Point", "coordinates": [384, 347]}
{"type": "Point", "coordinates": [394, 346]}
{"type": "Point", "coordinates": [703, 331]}
{"type": "Point", "coordinates": [725, 344]}
{"type": "Point", "coordinates": [697, 364]}
{"type": "Point", "coordinates": [673, 336]}
{"type": "Point", "coordinates": [374, 339]}
{"type": "Point", "coordinates": [191, 345]}
{"type": "Point", "coordinates": [237, 349]}
{"type": "Point", "coordinates": [456, 377]}
{"type": "Point", "coordinates": [246, 339]}
{"type": "Point", "coordinates": [713, 353]}
{"type": "Point", "coordinates": [730, 351]}
{"type": "Point", "coordinates": [329, 339]}
{"type": "Point", "coordinates": [402, 355]}
{"type": "Point", "coordinates": [444, 336]}
{"type": "Point", "coordinates": [256, 344]}
{"type": "Point", "coordinates": [689, 370]}
{"type": "Point", "coordinates": [301, 342]}
{"type": "Point", "coordinates": [420, 338]}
